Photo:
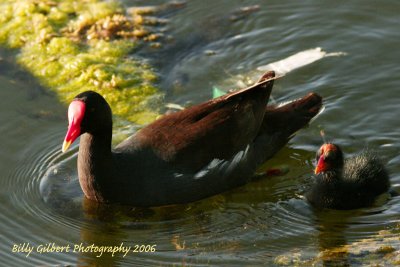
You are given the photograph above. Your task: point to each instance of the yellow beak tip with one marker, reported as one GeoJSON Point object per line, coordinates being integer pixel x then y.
{"type": "Point", "coordinates": [65, 146]}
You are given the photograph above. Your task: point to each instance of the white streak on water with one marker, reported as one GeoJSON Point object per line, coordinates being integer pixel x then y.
{"type": "Point", "coordinates": [298, 60]}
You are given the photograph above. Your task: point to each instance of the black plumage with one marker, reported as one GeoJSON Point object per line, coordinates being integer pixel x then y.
{"type": "Point", "coordinates": [185, 156]}
{"type": "Point", "coordinates": [347, 183]}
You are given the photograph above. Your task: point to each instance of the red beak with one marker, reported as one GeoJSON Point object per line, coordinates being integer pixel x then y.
{"type": "Point", "coordinates": [76, 112]}
{"type": "Point", "coordinates": [321, 165]}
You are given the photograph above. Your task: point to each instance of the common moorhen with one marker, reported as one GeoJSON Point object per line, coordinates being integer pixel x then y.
{"type": "Point", "coordinates": [347, 184]}
{"type": "Point", "coordinates": [184, 156]}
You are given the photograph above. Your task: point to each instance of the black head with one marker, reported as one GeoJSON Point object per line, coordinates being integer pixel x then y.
{"type": "Point", "coordinates": [88, 113]}
{"type": "Point", "coordinates": [329, 158]}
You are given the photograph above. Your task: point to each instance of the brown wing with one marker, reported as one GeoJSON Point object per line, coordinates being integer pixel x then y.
{"type": "Point", "coordinates": [215, 129]}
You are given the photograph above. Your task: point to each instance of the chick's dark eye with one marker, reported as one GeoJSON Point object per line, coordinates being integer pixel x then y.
{"type": "Point", "coordinates": [330, 155]}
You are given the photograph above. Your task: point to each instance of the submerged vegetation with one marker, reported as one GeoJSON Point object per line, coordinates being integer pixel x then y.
{"type": "Point", "coordinates": [381, 249]}
{"type": "Point", "coordinates": [72, 46]}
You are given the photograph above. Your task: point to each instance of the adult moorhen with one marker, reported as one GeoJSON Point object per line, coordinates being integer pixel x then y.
{"type": "Point", "coordinates": [347, 184]}
{"type": "Point", "coordinates": [184, 156]}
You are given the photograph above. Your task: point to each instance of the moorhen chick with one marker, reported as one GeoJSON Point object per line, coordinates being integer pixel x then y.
{"type": "Point", "coordinates": [184, 156]}
{"type": "Point", "coordinates": [347, 184]}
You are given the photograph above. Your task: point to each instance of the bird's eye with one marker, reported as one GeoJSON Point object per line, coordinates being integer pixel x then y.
{"type": "Point", "coordinates": [330, 155]}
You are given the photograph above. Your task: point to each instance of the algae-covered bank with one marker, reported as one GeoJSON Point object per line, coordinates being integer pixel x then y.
{"type": "Point", "coordinates": [72, 46]}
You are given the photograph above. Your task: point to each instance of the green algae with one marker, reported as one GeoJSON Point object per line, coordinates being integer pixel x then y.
{"type": "Point", "coordinates": [73, 46]}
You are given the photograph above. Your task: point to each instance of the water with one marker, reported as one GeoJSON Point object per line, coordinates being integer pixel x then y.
{"type": "Point", "coordinates": [263, 223]}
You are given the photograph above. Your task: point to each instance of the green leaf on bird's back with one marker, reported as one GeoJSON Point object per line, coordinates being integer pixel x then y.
{"type": "Point", "coordinates": [217, 92]}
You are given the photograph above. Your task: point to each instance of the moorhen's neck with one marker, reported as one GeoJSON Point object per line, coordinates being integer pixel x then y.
{"type": "Point", "coordinates": [331, 176]}
{"type": "Point", "coordinates": [95, 162]}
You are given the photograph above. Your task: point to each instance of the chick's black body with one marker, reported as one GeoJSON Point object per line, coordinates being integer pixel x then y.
{"type": "Point", "coordinates": [347, 184]}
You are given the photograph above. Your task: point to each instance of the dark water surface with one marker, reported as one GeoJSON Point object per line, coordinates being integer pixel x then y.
{"type": "Point", "coordinates": [263, 223]}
